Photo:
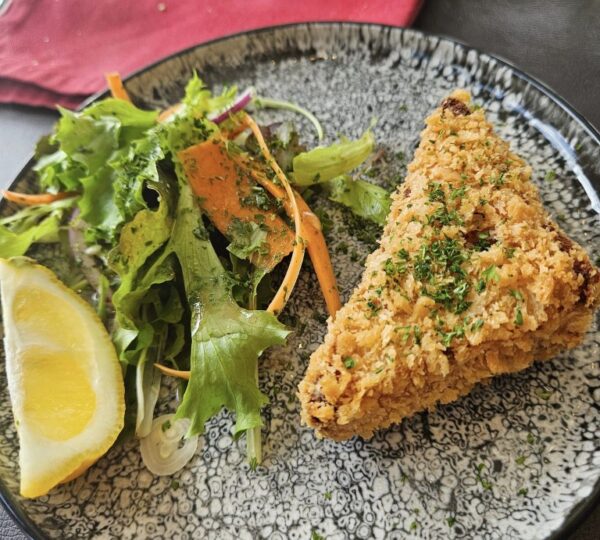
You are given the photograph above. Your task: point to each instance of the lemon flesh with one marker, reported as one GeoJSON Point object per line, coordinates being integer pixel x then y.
{"type": "Point", "coordinates": [64, 376]}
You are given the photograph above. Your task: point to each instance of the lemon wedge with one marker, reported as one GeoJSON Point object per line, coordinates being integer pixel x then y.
{"type": "Point", "coordinates": [64, 377]}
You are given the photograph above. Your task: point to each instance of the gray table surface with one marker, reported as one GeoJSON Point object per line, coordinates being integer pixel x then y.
{"type": "Point", "coordinates": [557, 41]}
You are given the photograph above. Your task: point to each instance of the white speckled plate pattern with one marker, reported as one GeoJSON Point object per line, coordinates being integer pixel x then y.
{"type": "Point", "coordinates": [536, 433]}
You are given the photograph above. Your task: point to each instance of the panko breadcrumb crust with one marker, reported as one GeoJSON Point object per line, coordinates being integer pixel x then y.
{"type": "Point", "coordinates": [471, 279]}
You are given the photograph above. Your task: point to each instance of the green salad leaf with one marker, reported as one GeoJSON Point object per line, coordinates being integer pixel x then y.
{"type": "Point", "coordinates": [226, 340]}
{"type": "Point", "coordinates": [247, 238]}
{"type": "Point", "coordinates": [87, 153]}
{"type": "Point", "coordinates": [325, 163]}
{"type": "Point", "coordinates": [363, 198]}
{"type": "Point", "coordinates": [30, 225]}
{"type": "Point", "coordinates": [141, 238]}
{"type": "Point", "coordinates": [200, 101]}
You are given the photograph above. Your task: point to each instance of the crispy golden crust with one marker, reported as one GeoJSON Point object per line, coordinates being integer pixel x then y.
{"type": "Point", "coordinates": [471, 279]}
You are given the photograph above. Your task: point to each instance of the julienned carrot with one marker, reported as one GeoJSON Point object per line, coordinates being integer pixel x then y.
{"type": "Point", "coordinates": [173, 372]}
{"type": "Point", "coordinates": [291, 276]}
{"type": "Point", "coordinates": [29, 199]}
{"type": "Point", "coordinates": [316, 245]}
{"type": "Point", "coordinates": [115, 85]}
{"type": "Point", "coordinates": [311, 226]}
{"type": "Point", "coordinates": [168, 112]}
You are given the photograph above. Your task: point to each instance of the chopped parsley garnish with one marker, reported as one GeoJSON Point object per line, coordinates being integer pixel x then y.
{"type": "Point", "coordinates": [543, 394]}
{"type": "Point", "coordinates": [477, 325]}
{"type": "Point", "coordinates": [458, 193]}
{"type": "Point", "coordinates": [327, 495]}
{"type": "Point", "coordinates": [165, 426]}
{"type": "Point", "coordinates": [518, 317]}
{"type": "Point", "coordinates": [447, 337]}
{"type": "Point", "coordinates": [530, 438]}
{"type": "Point", "coordinates": [442, 217]}
{"type": "Point", "coordinates": [174, 484]}
{"type": "Point", "coordinates": [440, 264]}
{"type": "Point", "coordinates": [374, 305]}
{"type": "Point", "coordinates": [509, 252]}
{"type": "Point", "coordinates": [522, 492]}
{"type": "Point", "coordinates": [451, 521]}
{"type": "Point", "coordinates": [436, 193]}
{"type": "Point", "coordinates": [485, 484]}
{"type": "Point", "coordinates": [490, 274]}
{"type": "Point", "coordinates": [316, 536]}
{"type": "Point", "coordinates": [517, 294]}
{"type": "Point", "coordinates": [480, 286]}
{"type": "Point", "coordinates": [550, 176]}
{"type": "Point", "coordinates": [520, 460]}
{"type": "Point", "coordinates": [392, 268]}
{"type": "Point", "coordinates": [483, 241]}
{"type": "Point", "coordinates": [418, 334]}
{"type": "Point", "coordinates": [258, 198]}
{"type": "Point", "coordinates": [497, 180]}
{"type": "Point", "coordinates": [349, 362]}
{"type": "Point", "coordinates": [413, 526]}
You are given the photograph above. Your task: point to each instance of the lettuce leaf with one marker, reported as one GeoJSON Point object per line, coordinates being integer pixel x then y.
{"type": "Point", "coordinates": [247, 238]}
{"type": "Point", "coordinates": [124, 111]}
{"type": "Point", "coordinates": [226, 340]}
{"type": "Point", "coordinates": [363, 198]}
{"type": "Point", "coordinates": [140, 239]}
{"type": "Point", "coordinates": [199, 100]}
{"type": "Point", "coordinates": [33, 224]}
{"type": "Point", "coordinates": [325, 163]}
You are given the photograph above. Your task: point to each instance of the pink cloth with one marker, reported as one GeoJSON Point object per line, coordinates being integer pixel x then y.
{"type": "Point", "coordinates": [57, 51]}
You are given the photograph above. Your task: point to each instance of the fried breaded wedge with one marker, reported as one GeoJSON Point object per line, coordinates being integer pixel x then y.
{"type": "Point", "coordinates": [471, 279]}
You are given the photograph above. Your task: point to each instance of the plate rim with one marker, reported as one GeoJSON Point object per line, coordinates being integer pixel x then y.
{"type": "Point", "coordinates": [580, 511]}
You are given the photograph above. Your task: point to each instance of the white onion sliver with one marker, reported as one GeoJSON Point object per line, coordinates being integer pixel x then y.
{"type": "Point", "coordinates": [147, 388]}
{"type": "Point", "coordinates": [165, 450]}
{"type": "Point", "coordinates": [237, 105]}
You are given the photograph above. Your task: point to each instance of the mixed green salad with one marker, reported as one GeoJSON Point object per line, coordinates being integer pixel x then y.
{"type": "Point", "coordinates": [188, 238]}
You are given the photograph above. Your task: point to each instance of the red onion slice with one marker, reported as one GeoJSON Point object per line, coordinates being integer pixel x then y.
{"type": "Point", "coordinates": [237, 105]}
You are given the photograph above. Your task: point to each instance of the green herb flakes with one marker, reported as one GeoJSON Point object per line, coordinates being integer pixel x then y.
{"type": "Point", "coordinates": [349, 362]}
{"type": "Point", "coordinates": [543, 394]}
{"type": "Point", "coordinates": [491, 274]}
{"type": "Point", "coordinates": [518, 317]}
{"type": "Point", "coordinates": [476, 326]}
{"type": "Point", "coordinates": [516, 294]}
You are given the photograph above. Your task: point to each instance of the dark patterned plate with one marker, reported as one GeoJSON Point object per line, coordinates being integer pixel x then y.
{"type": "Point", "coordinates": [518, 458]}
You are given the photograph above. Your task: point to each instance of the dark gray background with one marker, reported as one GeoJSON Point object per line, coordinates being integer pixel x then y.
{"type": "Point", "coordinates": [556, 41]}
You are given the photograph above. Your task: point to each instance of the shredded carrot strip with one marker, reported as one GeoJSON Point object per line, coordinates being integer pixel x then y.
{"type": "Point", "coordinates": [28, 199]}
{"type": "Point", "coordinates": [316, 245]}
{"type": "Point", "coordinates": [115, 85]}
{"type": "Point", "coordinates": [168, 112]}
{"type": "Point", "coordinates": [291, 276]}
{"type": "Point", "coordinates": [173, 372]}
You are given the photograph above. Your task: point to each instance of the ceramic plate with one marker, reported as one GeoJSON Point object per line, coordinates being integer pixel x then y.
{"type": "Point", "coordinates": [517, 458]}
